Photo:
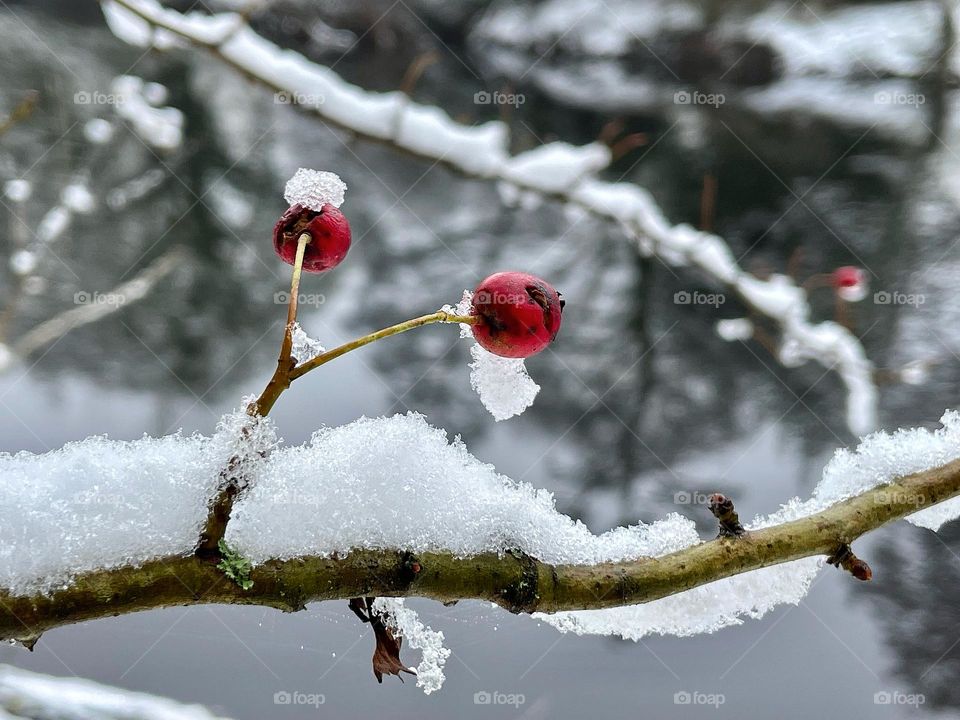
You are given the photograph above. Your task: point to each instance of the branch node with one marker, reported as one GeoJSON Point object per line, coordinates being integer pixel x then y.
{"type": "Point", "coordinates": [843, 557]}
{"type": "Point", "coordinates": [729, 522]}
{"type": "Point", "coordinates": [522, 596]}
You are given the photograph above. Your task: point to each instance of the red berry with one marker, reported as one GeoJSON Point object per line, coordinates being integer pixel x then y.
{"type": "Point", "coordinates": [519, 314]}
{"type": "Point", "coordinates": [847, 276]}
{"type": "Point", "coordinates": [329, 237]}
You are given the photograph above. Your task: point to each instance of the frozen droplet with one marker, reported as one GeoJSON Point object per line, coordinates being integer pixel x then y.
{"type": "Point", "coordinates": [314, 188]}
{"type": "Point", "coordinates": [155, 93]}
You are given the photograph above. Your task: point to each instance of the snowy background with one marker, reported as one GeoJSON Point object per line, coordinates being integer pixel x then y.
{"type": "Point", "coordinates": [833, 135]}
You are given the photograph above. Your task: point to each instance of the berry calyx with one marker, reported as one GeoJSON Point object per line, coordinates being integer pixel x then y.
{"type": "Point", "coordinates": [329, 237]}
{"type": "Point", "coordinates": [518, 314]}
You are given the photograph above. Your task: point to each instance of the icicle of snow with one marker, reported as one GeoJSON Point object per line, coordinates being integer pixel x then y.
{"type": "Point", "coordinates": [314, 188]}
{"type": "Point", "coordinates": [503, 384]}
{"type": "Point", "coordinates": [406, 623]}
{"type": "Point", "coordinates": [304, 347]}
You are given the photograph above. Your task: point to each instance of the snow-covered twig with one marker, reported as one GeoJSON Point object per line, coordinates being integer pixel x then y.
{"type": "Point", "coordinates": [558, 171]}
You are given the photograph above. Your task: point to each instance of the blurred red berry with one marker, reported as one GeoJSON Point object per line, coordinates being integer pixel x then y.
{"type": "Point", "coordinates": [518, 314]}
{"type": "Point", "coordinates": [850, 283]}
{"type": "Point", "coordinates": [847, 276]}
{"type": "Point", "coordinates": [329, 237]}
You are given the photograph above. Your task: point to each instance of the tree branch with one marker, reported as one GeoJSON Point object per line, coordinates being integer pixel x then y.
{"type": "Point", "coordinates": [515, 581]}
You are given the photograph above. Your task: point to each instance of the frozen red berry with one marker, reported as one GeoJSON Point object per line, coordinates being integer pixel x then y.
{"type": "Point", "coordinates": [329, 236]}
{"type": "Point", "coordinates": [518, 314]}
{"type": "Point", "coordinates": [850, 283]}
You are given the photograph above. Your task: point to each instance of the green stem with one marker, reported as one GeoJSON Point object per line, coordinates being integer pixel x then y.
{"type": "Point", "coordinates": [440, 316]}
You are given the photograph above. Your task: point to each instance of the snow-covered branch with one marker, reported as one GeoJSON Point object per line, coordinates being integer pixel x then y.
{"type": "Point", "coordinates": [515, 580]}
{"type": "Point", "coordinates": [389, 507]}
{"type": "Point", "coordinates": [556, 171]}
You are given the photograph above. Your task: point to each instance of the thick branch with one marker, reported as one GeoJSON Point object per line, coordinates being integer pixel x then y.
{"type": "Point", "coordinates": [513, 580]}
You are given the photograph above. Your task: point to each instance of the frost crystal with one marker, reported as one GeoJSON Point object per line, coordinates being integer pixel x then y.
{"type": "Point", "coordinates": [314, 188]}
{"type": "Point", "coordinates": [304, 347]}
{"type": "Point", "coordinates": [406, 623]}
{"type": "Point", "coordinates": [504, 387]}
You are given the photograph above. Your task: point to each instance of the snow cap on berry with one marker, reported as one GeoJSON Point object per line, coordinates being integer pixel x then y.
{"type": "Point", "coordinates": [315, 188]}
{"type": "Point", "coordinates": [315, 198]}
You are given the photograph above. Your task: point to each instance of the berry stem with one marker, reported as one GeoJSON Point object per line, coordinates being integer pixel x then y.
{"type": "Point", "coordinates": [285, 362]}
{"type": "Point", "coordinates": [441, 316]}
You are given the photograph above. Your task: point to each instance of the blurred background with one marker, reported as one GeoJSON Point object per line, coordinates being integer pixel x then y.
{"type": "Point", "coordinates": [810, 136]}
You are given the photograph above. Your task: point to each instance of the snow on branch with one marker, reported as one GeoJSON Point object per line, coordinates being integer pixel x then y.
{"type": "Point", "coordinates": [556, 171]}
{"type": "Point", "coordinates": [389, 507]}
